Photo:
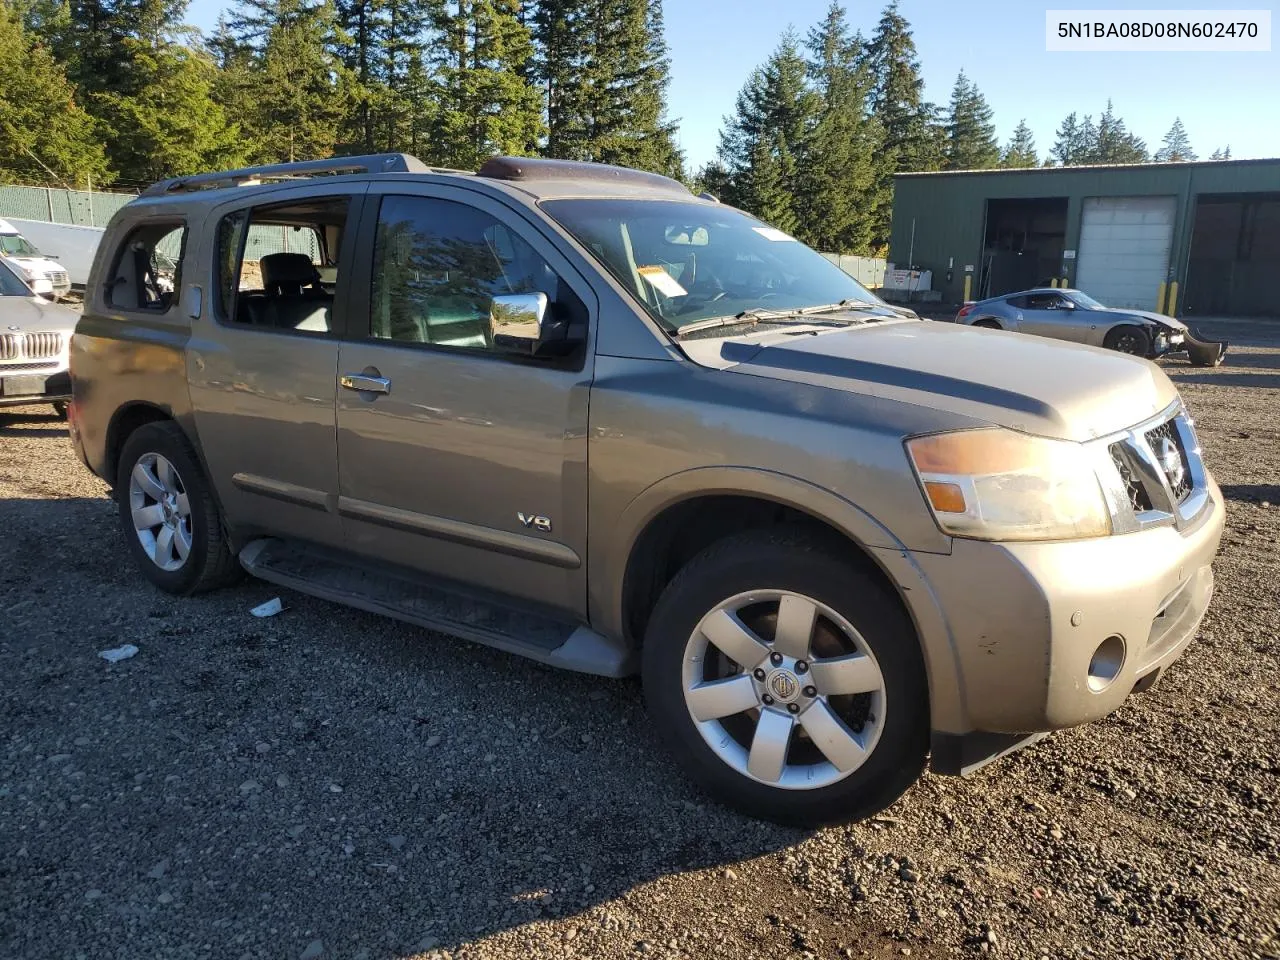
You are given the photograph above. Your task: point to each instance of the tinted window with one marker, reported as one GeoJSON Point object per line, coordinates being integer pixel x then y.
{"type": "Point", "coordinates": [689, 261]}
{"type": "Point", "coordinates": [437, 267]}
{"type": "Point", "coordinates": [1046, 301]}
{"type": "Point", "coordinates": [148, 268]}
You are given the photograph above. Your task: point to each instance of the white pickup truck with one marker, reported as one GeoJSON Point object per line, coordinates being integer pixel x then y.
{"type": "Point", "coordinates": [68, 253]}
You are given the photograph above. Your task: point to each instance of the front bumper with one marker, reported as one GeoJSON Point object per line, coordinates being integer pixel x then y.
{"type": "Point", "coordinates": [1026, 619]}
{"type": "Point", "coordinates": [33, 386]}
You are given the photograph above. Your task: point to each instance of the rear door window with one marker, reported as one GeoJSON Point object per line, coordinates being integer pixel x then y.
{"type": "Point", "coordinates": [147, 274]}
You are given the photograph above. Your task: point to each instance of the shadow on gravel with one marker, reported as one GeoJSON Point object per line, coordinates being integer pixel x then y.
{"type": "Point", "coordinates": [1269, 381]}
{"type": "Point", "coordinates": [323, 774]}
{"type": "Point", "coordinates": [1252, 492]}
{"type": "Point", "coordinates": [10, 425]}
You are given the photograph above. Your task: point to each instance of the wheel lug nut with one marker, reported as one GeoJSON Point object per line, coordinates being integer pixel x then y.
{"type": "Point", "coordinates": [793, 708]}
{"type": "Point", "coordinates": [775, 658]}
{"type": "Point", "coordinates": [768, 700]}
{"type": "Point", "coordinates": [801, 667]}
{"type": "Point", "coordinates": [810, 691]}
{"type": "Point", "coordinates": [759, 674]}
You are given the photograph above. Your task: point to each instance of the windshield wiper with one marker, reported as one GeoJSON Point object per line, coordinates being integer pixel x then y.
{"type": "Point", "coordinates": [745, 318]}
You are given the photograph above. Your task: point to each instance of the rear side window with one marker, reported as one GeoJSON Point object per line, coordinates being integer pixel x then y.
{"type": "Point", "coordinates": [278, 265]}
{"type": "Point", "coordinates": [148, 268]}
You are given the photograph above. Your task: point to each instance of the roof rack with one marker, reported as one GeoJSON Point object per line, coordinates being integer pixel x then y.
{"type": "Point", "coordinates": [374, 163]}
{"type": "Point", "coordinates": [516, 169]}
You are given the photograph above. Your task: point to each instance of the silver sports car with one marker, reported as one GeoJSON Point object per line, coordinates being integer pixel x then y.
{"type": "Point", "coordinates": [1073, 315]}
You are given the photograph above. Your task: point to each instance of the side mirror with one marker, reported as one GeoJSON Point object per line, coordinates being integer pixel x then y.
{"type": "Point", "coordinates": [523, 323]}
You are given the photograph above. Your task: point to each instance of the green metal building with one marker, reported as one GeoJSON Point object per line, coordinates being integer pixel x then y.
{"type": "Point", "coordinates": [1123, 234]}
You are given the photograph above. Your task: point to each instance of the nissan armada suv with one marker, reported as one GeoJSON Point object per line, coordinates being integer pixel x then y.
{"type": "Point", "coordinates": [576, 413]}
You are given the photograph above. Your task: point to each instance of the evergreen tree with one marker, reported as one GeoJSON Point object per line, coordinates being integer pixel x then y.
{"type": "Point", "coordinates": [45, 136]}
{"type": "Point", "coordinates": [604, 71]}
{"type": "Point", "coordinates": [1221, 154]}
{"type": "Point", "coordinates": [486, 104]}
{"type": "Point", "coordinates": [1066, 149]}
{"type": "Point", "coordinates": [971, 136]}
{"type": "Point", "coordinates": [1115, 144]}
{"type": "Point", "coordinates": [1177, 145]}
{"type": "Point", "coordinates": [289, 91]}
{"type": "Point", "coordinates": [913, 139]}
{"type": "Point", "coordinates": [167, 122]}
{"type": "Point", "coordinates": [768, 135]}
{"type": "Point", "coordinates": [1021, 150]}
{"type": "Point", "coordinates": [835, 181]}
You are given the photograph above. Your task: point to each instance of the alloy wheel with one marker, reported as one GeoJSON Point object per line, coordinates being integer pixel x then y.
{"type": "Point", "coordinates": [161, 511]}
{"type": "Point", "coordinates": [784, 690]}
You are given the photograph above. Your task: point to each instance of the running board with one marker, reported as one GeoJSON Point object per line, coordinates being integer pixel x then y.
{"type": "Point", "coordinates": [558, 643]}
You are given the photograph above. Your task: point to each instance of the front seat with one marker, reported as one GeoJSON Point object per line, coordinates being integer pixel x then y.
{"type": "Point", "coordinates": [295, 299]}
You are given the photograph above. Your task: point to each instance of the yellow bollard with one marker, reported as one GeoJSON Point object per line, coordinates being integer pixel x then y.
{"type": "Point", "coordinates": [968, 283]}
{"type": "Point", "coordinates": [1173, 299]}
{"type": "Point", "coordinates": [1160, 297]}
{"type": "Point", "coordinates": [1053, 281]}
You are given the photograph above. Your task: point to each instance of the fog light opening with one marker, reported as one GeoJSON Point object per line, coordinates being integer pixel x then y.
{"type": "Point", "coordinates": [1106, 664]}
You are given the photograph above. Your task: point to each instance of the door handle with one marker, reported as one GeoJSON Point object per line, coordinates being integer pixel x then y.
{"type": "Point", "coordinates": [364, 383]}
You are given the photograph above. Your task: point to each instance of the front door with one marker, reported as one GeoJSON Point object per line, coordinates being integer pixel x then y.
{"type": "Point", "coordinates": [262, 361]}
{"type": "Point", "coordinates": [1050, 315]}
{"type": "Point", "coordinates": [455, 458]}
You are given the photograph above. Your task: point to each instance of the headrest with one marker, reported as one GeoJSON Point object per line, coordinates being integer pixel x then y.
{"type": "Point", "coordinates": [286, 273]}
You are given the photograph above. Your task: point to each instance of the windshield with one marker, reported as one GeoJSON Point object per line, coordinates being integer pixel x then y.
{"type": "Point", "coordinates": [1086, 301]}
{"type": "Point", "coordinates": [688, 262]}
{"type": "Point", "coordinates": [11, 285]}
{"type": "Point", "coordinates": [16, 245]}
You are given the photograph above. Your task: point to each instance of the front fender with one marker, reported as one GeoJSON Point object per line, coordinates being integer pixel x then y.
{"type": "Point", "coordinates": [890, 555]}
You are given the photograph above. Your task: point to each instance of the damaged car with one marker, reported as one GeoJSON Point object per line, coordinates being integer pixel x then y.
{"type": "Point", "coordinates": [1066, 314]}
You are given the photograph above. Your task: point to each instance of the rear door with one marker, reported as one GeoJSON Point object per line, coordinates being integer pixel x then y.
{"type": "Point", "coordinates": [464, 462]}
{"type": "Point", "coordinates": [264, 392]}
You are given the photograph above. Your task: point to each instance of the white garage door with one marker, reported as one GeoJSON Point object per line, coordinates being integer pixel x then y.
{"type": "Point", "coordinates": [1124, 249]}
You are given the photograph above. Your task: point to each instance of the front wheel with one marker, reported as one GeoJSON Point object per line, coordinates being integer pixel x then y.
{"type": "Point", "coordinates": [1129, 339]}
{"type": "Point", "coordinates": [787, 681]}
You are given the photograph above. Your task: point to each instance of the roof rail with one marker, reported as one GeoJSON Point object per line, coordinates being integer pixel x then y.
{"type": "Point", "coordinates": [373, 163]}
{"type": "Point", "coordinates": [516, 169]}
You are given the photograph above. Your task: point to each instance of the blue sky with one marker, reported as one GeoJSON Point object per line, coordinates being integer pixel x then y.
{"type": "Point", "coordinates": [1222, 98]}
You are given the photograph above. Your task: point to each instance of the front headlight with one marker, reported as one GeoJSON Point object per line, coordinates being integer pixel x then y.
{"type": "Point", "coordinates": [996, 484]}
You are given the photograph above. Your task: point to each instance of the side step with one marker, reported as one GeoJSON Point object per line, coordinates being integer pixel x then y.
{"type": "Point", "coordinates": [554, 642]}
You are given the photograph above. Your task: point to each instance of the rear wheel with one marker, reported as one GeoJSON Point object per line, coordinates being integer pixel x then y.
{"type": "Point", "coordinates": [1129, 339]}
{"type": "Point", "coordinates": [787, 681]}
{"type": "Point", "coordinates": [988, 324]}
{"type": "Point", "coordinates": [168, 514]}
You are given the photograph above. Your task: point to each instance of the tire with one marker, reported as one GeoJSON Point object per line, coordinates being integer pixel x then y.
{"type": "Point", "coordinates": [1127, 338]}
{"type": "Point", "coordinates": [208, 561]}
{"type": "Point", "coordinates": [60, 408]}
{"type": "Point", "coordinates": [773, 567]}
{"type": "Point", "coordinates": [987, 324]}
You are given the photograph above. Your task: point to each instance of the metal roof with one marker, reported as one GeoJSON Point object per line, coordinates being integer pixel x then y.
{"type": "Point", "coordinates": [1094, 167]}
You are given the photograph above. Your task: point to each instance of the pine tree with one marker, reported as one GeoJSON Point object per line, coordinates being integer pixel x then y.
{"type": "Point", "coordinates": [486, 104]}
{"type": "Point", "coordinates": [289, 91]}
{"type": "Point", "coordinates": [835, 181]}
{"type": "Point", "coordinates": [1221, 154]}
{"type": "Point", "coordinates": [971, 136]}
{"type": "Point", "coordinates": [1066, 149]}
{"type": "Point", "coordinates": [167, 122]}
{"type": "Point", "coordinates": [559, 31]}
{"type": "Point", "coordinates": [1177, 145]}
{"type": "Point", "coordinates": [1115, 144]}
{"type": "Point", "coordinates": [913, 138]}
{"type": "Point", "coordinates": [45, 136]}
{"type": "Point", "coordinates": [764, 141]}
{"type": "Point", "coordinates": [1021, 150]}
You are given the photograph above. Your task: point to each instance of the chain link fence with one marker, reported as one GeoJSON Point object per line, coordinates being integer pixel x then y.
{"type": "Point", "coordinates": [55, 205]}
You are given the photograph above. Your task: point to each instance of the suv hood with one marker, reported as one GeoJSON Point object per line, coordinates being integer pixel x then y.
{"type": "Point", "coordinates": [35, 315]}
{"type": "Point", "coordinates": [40, 264]}
{"type": "Point", "coordinates": [1038, 386]}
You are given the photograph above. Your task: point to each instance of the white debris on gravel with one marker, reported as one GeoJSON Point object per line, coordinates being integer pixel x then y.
{"type": "Point", "coordinates": [116, 654]}
{"type": "Point", "coordinates": [268, 609]}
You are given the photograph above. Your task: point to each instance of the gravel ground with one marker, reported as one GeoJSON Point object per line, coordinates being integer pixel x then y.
{"type": "Point", "coordinates": [326, 783]}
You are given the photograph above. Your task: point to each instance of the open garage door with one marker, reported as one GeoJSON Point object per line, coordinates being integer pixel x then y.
{"type": "Point", "coordinates": [1124, 249]}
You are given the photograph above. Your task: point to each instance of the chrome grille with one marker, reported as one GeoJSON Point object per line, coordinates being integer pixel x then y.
{"type": "Point", "coordinates": [1133, 487]}
{"type": "Point", "coordinates": [1166, 434]}
{"type": "Point", "coordinates": [58, 277]}
{"type": "Point", "coordinates": [30, 346]}
{"type": "Point", "coordinates": [37, 366]}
